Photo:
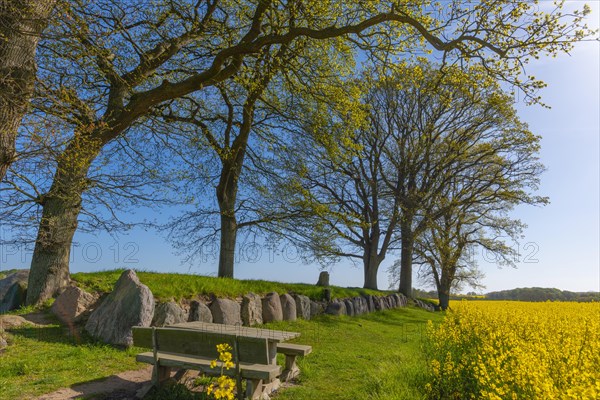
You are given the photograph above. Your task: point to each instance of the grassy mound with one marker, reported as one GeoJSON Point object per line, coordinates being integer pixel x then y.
{"type": "Point", "coordinates": [183, 286]}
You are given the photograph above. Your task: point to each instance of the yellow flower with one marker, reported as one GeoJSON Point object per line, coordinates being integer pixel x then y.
{"type": "Point", "coordinates": [516, 350]}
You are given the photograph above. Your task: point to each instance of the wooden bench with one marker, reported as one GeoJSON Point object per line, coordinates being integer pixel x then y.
{"type": "Point", "coordinates": [292, 351]}
{"type": "Point", "coordinates": [189, 349]}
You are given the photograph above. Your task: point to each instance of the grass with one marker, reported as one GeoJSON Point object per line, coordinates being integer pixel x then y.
{"type": "Point", "coordinates": [377, 356]}
{"type": "Point", "coordinates": [182, 286]}
{"type": "Point", "coordinates": [41, 360]}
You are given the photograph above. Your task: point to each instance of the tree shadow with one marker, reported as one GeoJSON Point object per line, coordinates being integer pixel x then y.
{"type": "Point", "coordinates": [121, 386]}
{"type": "Point", "coordinates": [59, 334]}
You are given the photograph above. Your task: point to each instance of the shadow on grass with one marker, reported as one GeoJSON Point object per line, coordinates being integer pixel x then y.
{"type": "Point", "coordinates": [112, 388]}
{"type": "Point", "coordinates": [58, 334]}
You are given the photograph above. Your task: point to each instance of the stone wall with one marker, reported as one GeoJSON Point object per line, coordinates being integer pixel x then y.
{"type": "Point", "coordinates": [253, 309]}
{"type": "Point", "coordinates": [132, 304]}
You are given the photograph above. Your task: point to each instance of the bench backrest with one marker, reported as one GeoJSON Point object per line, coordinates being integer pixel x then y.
{"type": "Point", "coordinates": [197, 343]}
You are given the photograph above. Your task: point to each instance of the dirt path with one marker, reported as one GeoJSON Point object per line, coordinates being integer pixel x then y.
{"type": "Point", "coordinates": [122, 386]}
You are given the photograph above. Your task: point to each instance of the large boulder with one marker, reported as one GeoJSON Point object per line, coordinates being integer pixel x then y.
{"type": "Point", "coordinates": [226, 311]}
{"type": "Point", "coordinates": [199, 312]}
{"type": "Point", "coordinates": [129, 304]}
{"type": "Point", "coordinates": [392, 301]}
{"type": "Point", "coordinates": [72, 304]}
{"type": "Point", "coordinates": [302, 306]}
{"type": "Point", "coordinates": [403, 299]}
{"type": "Point", "coordinates": [349, 307]}
{"type": "Point", "coordinates": [370, 304]}
{"type": "Point", "coordinates": [316, 308]}
{"type": "Point", "coordinates": [288, 307]}
{"type": "Point", "coordinates": [168, 314]}
{"type": "Point", "coordinates": [378, 303]}
{"type": "Point", "coordinates": [252, 309]}
{"type": "Point", "coordinates": [360, 305]}
{"type": "Point", "coordinates": [13, 290]}
{"type": "Point", "coordinates": [336, 308]}
{"type": "Point", "coordinates": [271, 308]}
{"type": "Point", "coordinates": [398, 298]}
{"type": "Point", "coordinates": [389, 302]}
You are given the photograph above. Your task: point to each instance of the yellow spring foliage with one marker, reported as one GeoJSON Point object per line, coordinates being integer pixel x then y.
{"type": "Point", "coordinates": [516, 350]}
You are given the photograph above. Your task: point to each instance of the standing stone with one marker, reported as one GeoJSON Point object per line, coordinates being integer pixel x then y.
{"type": "Point", "coordinates": [403, 300]}
{"type": "Point", "coordinates": [226, 311]}
{"type": "Point", "coordinates": [271, 308]}
{"type": "Point", "coordinates": [288, 307]}
{"type": "Point", "coordinates": [199, 312]}
{"type": "Point", "coordinates": [251, 310]}
{"type": "Point", "coordinates": [357, 305]}
{"type": "Point", "coordinates": [13, 290]}
{"type": "Point", "coordinates": [323, 279]}
{"type": "Point", "coordinates": [316, 308]}
{"type": "Point", "coordinates": [336, 308]}
{"type": "Point", "coordinates": [377, 303]}
{"type": "Point", "coordinates": [369, 303]}
{"type": "Point", "coordinates": [387, 302]}
{"type": "Point", "coordinates": [130, 304]}
{"type": "Point", "coordinates": [327, 295]}
{"type": "Point", "coordinates": [349, 307]}
{"type": "Point", "coordinates": [71, 304]}
{"type": "Point", "coordinates": [302, 306]}
{"type": "Point", "coordinates": [168, 314]}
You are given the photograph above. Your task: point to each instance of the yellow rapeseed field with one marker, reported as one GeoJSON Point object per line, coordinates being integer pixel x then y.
{"type": "Point", "coordinates": [516, 350]}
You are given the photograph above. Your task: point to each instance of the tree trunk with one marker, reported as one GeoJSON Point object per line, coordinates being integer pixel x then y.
{"type": "Point", "coordinates": [49, 271]}
{"type": "Point", "coordinates": [50, 263]}
{"type": "Point", "coordinates": [371, 262]}
{"type": "Point", "coordinates": [21, 23]}
{"type": "Point", "coordinates": [406, 255]}
{"type": "Point", "coordinates": [444, 298]}
{"type": "Point", "coordinates": [445, 284]}
{"type": "Point", "coordinates": [226, 197]}
{"type": "Point", "coordinates": [228, 240]}
{"type": "Point", "coordinates": [371, 266]}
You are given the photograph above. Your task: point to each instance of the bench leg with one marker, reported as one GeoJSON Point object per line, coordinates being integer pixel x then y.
{"type": "Point", "coordinates": [258, 390]}
{"type": "Point", "coordinates": [254, 389]}
{"type": "Point", "coordinates": [291, 368]}
{"type": "Point", "coordinates": [160, 374]}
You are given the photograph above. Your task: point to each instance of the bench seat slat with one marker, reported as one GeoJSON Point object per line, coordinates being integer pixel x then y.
{"type": "Point", "coordinates": [293, 349]}
{"type": "Point", "coordinates": [247, 370]}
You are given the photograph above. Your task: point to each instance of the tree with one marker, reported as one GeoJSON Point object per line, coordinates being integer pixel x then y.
{"type": "Point", "coordinates": [337, 201]}
{"type": "Point", "coordinates": [479, 162]}
{"type": "Point", "coordinates": [436, 142]}
{"type": "Point", "coordinates": [92, 83]}
{"type": "Point", "coordinates": [21, 24]}
{"type": "Point", "coordinates": [505, 174]}
{"type": "Point", "coordinates": [236, 123]}
{"type": "Point", "coordinates": [222, 123]}
{"type": "Point", "coordinates": [445, 252]}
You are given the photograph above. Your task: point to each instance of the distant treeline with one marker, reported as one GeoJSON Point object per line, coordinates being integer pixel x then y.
{"type": "Point", "coordinates": [521, 294]}
{"type": "Point", "coordinates": [542, 294]}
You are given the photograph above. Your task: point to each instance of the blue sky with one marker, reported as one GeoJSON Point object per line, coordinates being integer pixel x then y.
{"type": "Point", "coordinates": [561, 244]}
